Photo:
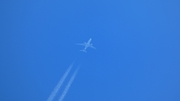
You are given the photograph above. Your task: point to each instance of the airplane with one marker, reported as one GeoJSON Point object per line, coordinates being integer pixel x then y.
{"type": "Point", "coordinates": [86, 45]}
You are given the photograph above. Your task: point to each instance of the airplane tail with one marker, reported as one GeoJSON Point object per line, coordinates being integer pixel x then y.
{"type": "Point", "coordinates": [83, 50]}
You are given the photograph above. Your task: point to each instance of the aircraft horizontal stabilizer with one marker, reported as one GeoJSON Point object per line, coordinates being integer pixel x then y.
{"type": "Point", "coordinates": [83, 51]}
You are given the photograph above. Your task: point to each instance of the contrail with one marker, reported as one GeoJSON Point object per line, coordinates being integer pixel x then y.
{"type": "Point", "coordinates": [53, 94]}
{"type": "Point", "coordinates": [68, 85]}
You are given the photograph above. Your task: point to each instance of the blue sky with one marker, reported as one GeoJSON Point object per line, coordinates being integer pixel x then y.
{"type": "Point", "coordinates": [137, 56]}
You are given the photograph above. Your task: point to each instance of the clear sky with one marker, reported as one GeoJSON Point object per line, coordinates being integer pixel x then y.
{"type": "Point", "coordinates": [137, 56]}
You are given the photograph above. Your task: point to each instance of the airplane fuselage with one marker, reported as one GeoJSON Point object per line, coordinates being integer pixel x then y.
{"type": "Point", "coordinates": [87, 44]}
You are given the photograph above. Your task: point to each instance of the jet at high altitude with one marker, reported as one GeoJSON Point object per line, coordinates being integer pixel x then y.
{"type": "Point", "coordinates": [86, 45]}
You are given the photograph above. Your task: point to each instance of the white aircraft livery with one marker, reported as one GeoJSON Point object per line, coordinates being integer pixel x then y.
{"type": "Point", "coordinates": [86, 45]}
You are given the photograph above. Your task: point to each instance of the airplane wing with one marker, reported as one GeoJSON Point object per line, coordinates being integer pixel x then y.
{"type": "Point", "coordinates": [82, 44]}
{"type": "Point", "coordinates": [92, 47]}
